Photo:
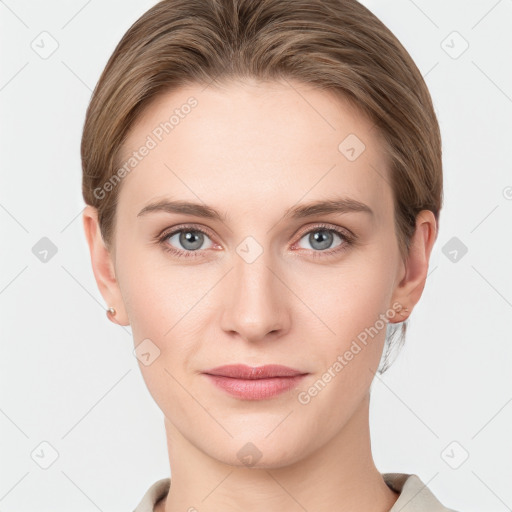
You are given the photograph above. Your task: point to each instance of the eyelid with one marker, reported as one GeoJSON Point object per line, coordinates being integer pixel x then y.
{"type": "Point", "coordinates": [347, 236]}
{"type": "Point", "coordinates": [167, 232]}
{"type": "Point", "coordinates": [348, 240]}
{"type": "Point", "coordinates": [328, 227]}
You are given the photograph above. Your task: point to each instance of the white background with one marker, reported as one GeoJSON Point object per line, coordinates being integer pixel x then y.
{"type": "Point", "coordinates": [68, 375]}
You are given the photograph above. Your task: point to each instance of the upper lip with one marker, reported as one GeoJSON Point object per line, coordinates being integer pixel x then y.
{"type": "Point", "coordinates": [242, 371]}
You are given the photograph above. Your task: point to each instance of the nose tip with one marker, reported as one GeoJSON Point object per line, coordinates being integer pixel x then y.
{"type": "Point", "coordinates": [255, 308]}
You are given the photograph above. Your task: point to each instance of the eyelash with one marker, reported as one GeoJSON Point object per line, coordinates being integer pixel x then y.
{"type": "Point", "coordinates": [347, 240]}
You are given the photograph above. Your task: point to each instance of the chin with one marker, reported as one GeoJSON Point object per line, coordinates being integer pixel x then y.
{"type": "Point", "coordinates": [258, 453]}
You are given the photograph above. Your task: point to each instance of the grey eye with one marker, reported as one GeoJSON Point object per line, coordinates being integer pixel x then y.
{"type": "Point", "coordinates": [189, 239]}
{"type": "Point", "coordinates": [321, 239]}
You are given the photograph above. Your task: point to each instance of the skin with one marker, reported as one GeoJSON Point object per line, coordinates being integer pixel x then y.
{"type": "Point", "coordinates": [251, 150]}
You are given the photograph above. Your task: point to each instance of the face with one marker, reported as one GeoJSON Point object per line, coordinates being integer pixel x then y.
{"type": "Point", "coordinates": [255, 274]}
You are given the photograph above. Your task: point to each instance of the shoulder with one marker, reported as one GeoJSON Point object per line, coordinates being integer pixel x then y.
{"type": "Point", "coordinates": [415, 496]}
{"type": "Point", "coordinates": [157, 491]}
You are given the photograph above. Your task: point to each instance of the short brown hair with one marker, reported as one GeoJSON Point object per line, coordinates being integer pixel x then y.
{"type": "Point", "coordinates": [334, 45]}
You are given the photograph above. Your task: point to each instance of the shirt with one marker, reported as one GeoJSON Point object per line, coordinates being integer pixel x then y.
{"type": "Point", "coordinates": [414, 494]}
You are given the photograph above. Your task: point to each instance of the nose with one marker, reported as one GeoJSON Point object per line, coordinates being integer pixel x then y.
{"type": "Point", "coordinates": [256, 305]}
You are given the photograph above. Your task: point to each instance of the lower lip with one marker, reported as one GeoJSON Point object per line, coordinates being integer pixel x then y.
{"type": "Point", "coordinates": [255, 389]}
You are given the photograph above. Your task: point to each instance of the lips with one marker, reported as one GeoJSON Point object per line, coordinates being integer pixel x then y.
{"type": "Point", "coordinates": [242, 371]}
{"type": "Point", "coordinates": [254, 383]}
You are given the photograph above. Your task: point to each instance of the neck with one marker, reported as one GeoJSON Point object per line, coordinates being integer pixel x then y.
{"type": "Point", "coordinates": [340, 475]}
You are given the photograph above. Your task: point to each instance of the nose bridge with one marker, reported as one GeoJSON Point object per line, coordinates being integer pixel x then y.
{"type": "Point", "coordinates": [256, 305]}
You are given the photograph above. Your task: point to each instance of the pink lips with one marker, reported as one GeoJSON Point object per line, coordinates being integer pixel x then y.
{"type": "Point", "coordinates": [254, 383]}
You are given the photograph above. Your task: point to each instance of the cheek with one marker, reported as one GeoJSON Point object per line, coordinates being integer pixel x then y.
{"type": "Point", "coordinates": [159, 300]}
{"type": "Point", "coordinates": [352, 305]}
{"type": "Point", "coordinates": [333, 303]}
{"type": "Point", "coordinates": [348, 336]}
{"type": "Point", "coordinates": [158, 304]}
{"type": "Point", "coordinates": [156, 292]}
{"type": "Point", "coordinates": [349, 298]}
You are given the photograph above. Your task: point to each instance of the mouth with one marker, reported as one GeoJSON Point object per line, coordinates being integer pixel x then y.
{"type": "Point", "coordinates": [255, 383]}
{"type": "Point", "coordinates": [242, 371]}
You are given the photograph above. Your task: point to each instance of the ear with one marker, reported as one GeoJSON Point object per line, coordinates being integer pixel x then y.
{"type": "Point", "coordinates": [408, 291]}
{"type": "Point", "coordinates": [103, 266]}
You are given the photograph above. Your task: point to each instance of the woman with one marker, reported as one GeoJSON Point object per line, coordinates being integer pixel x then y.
{"type": "Point", "coordinates": [263, 183]}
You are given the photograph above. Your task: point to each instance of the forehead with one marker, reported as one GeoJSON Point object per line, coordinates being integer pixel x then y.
{"type": "Point", "coordinates": [265, 144]}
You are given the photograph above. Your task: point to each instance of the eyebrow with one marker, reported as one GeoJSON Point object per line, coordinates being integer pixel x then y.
{"type": "Point", "coordinates": [339, 205]}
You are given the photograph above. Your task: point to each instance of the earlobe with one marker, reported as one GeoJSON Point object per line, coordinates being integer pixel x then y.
{"type": "Point", "coordinates": [103, 266]}
{"type": "Point", "coordinates": [409, 290]}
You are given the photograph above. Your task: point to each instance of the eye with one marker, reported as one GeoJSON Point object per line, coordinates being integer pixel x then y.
{"type": "Point", "coordinates": [185, 241]}
{"type": "Point", "coordinates": [189, 241]}
{"type": "Point", "coordinates": [324, 238]}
